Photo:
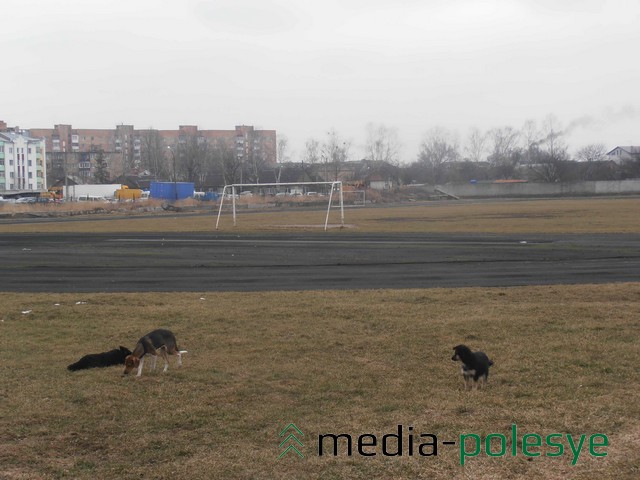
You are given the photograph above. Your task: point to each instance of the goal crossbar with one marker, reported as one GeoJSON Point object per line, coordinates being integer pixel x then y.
{"type": "Point", "coordinates": [337, 186]}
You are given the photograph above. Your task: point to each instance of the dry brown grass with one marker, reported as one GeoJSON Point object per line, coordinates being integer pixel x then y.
{"type": "Point", "coordinates": [588, 215]}
{"type": "Point", "coordinates": [357, 362]}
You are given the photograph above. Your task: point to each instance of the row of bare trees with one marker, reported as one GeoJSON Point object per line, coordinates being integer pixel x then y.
{"type": "Point", "coordinates": [196, 159]}
{"type": "Point", "coordinates": [537, 152]}
{"type": "Point", "coordinates": [325, 158]}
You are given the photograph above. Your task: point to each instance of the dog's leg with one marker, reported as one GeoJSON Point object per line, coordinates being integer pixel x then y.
{"type": "Point", "coordinates": [165, 357]}
{"type": "Point", "coordinates": [153, 364]}
{"type": "Point", "coordinates": [179, 354]}
{"type": "Point", "coordinates": [140, 365]}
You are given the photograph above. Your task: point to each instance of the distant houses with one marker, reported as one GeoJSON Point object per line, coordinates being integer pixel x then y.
{"type": "Point", "coordinates": [620, 153]}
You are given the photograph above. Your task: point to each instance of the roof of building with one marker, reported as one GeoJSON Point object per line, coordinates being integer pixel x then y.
{"type": "Point", "coordinates": [630, 149]}
{"type": "Point", "coordinates": [12, 136]}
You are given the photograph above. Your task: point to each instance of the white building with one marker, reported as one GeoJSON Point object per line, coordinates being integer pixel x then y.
{"type": "Point", "coordinates": [23, 163]}
{"type": "Point", "coordinates": [621, 154]}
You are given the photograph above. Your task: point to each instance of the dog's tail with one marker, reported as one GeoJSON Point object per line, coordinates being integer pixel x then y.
{"type": "Point", "coordinates": [182, 351]}
{"type": "Point", "coordinates": [74, 367]}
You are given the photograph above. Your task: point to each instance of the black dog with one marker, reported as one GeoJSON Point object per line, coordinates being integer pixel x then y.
{"type": "Point", "coordinates": [475, 366]}
{"type": "Point", "coordinates": [104, 359]}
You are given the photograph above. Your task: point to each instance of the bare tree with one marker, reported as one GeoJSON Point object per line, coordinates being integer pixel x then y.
{"type": "Point", "coordinates": [438, 147]}
{"type": "Point", "coordinates": [257, 165]}
{"type": "Point", "coordinates": [335, 152]}
{"type": "Point", "coordinates": [593, 152]}
{"type": "Point", "coordinates": [531, 137]}
{"type": "Point", "coordinates": [382, 144]}
{"type": "Point", "coordinates": [475, 148]}
{"type": "Point", "coordinates": [530, 134]}
{"type": "Point", "coordinates": [193, 159]}
{"type": "Point", "coordinates": [505, 154]}
{"type": "Point", "coordinates": [551, 165]}
{"type": "Point", "coordinates": [153, 153]}
{"type": "Point", "coordinates": [283, 146]}
{"type": "Point", "coordinates": [311, 152]}
{"type": "Point", "coordinates": [592, 156]}
{"type": "Point", "coordinates": [223, 155]}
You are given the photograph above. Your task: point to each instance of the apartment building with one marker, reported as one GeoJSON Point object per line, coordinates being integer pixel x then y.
{"type": "Point", "coordinates": [23, 164]}
{"type": "Point", "coordinates": [74, 151]}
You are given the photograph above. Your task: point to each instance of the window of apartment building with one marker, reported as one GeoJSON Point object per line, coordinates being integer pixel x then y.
{"type": "Point", "coordinates": [29, 150]}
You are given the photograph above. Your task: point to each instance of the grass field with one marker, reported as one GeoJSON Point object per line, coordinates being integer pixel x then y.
{"type": "Point", "coordinates": [331, 362]}
{"type": "Point", "coordinates": [588, 215]}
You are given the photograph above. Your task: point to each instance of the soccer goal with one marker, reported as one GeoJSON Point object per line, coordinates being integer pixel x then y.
{"type": "Point", "coordinates": [235, 191]}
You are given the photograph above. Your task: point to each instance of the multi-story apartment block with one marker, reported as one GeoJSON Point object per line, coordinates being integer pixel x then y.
{"type": "Point", "coordinates": [23, 164]}
{"type": "Point", "coordinates": [73, 151]}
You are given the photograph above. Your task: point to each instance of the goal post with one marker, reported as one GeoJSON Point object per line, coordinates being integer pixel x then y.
{"type": "Point", "coordinates": [335, 186]}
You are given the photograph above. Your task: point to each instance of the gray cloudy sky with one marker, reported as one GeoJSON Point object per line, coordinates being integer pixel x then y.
{"type": "Point", "coordinates": [305, 67]}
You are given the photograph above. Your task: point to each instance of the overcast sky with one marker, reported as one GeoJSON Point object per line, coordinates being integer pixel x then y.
{"type": "Point", "coordinates": [303, 68]}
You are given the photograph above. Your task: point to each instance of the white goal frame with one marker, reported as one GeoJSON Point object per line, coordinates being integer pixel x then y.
{"type": "Point", "coordinates": [337, 185]}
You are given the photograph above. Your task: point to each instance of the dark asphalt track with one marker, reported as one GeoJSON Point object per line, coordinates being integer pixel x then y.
{"type": "Point", "coordinates": [213, 262]}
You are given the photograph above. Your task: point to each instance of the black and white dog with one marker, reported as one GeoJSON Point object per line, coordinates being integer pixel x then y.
{"type": "Point", "coordinates": [104, 359]}
{"type": "Point", "coordinates": [158, 342]}
{"type": "Point", "coordinates": [475, 366]}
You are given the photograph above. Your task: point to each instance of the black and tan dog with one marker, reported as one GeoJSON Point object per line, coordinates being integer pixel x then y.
{"type": "Point", "coordinates": [158, 342]}
{"type": "Point", "coordinates": [104, 359]}
{"type": "Point", "coordinates": [475, 366]}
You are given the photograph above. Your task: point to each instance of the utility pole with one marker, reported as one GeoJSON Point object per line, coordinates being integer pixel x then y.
{"type": "Point", "coordinates": [64, 170]}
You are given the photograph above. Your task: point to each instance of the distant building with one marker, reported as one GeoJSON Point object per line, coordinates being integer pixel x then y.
{"type": "Point", "coordinates": [620, 154]}
{"type": "Point", "coordinates": [23, 161]}
{"type": "Point", "coordinates": [74, 151]}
